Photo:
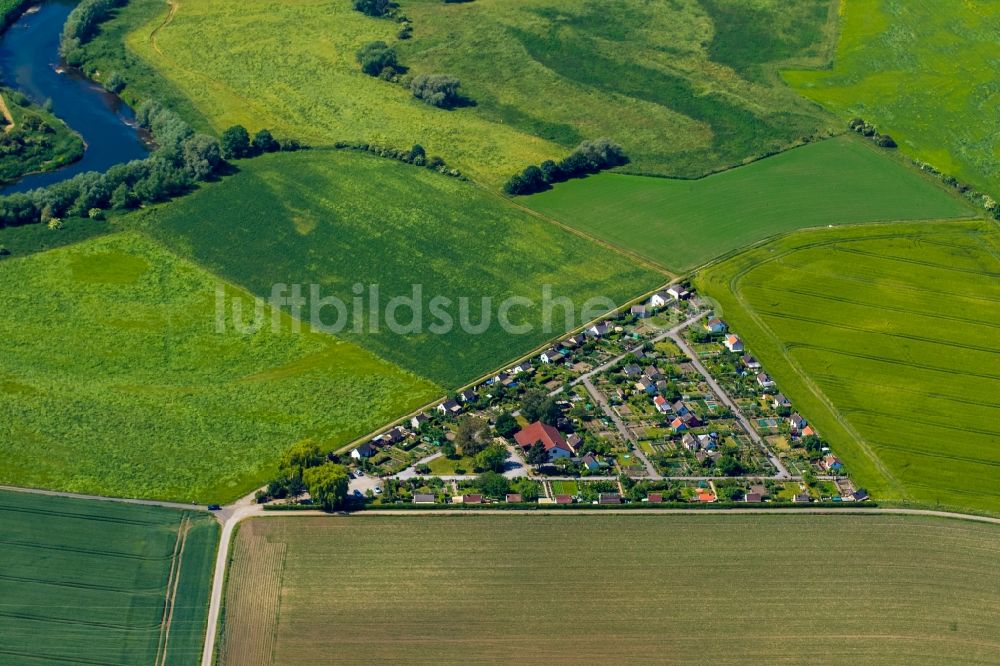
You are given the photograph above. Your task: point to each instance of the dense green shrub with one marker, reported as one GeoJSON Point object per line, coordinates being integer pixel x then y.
{"type": "Point", "coordinates": [377, 59]}
{"type": "Point", "coordinates": [374, 7]}
{"type": "Point", "coordinates": [82, 24]}
{"type": "Point", "coordinates": [440, 90]}
{"type": "Point", "coordinates": [589, 157]}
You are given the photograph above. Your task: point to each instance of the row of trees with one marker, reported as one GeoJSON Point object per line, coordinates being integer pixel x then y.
{"type": "Point", "coordinates": [865, 128]}
{"type": "Point", "coordinates": [416, 156]}
{"type": "Point", "coordinates": [81, 26]}
{"type": "Point", "coordinates": [181, 159]}
{"type": "Point", "coordinates": [589, 157]}
{"type": "Point", "coordinates": [305, 467]}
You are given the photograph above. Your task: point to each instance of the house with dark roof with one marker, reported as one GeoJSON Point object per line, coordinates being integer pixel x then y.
{"type": "Point", "coordinates": [802, 498]}
{"type": "Point", "coordinates": [632, 370]}
{"type": "Point", "coordinates": [468, 395]}
{"type": "Point", "coordinates": [599, 330]}
{"type": "Point", "coordinates": [550, 438]}
{"type": "Point", "coordinates": [652, 372]}
{"type": "Point", "coordinates": [749, 362]}
{"type": "Point", "coordinates": [552, 355]}
{"type": "Point", "coordinates": [590, 462]}
{"type": "Point", "coordinates": [678, 292]}
{"type": "Point", "coordinates": [753, 498]}
{"type": "Point", "coordinates": [796, 422]}
{"type": "Point", "coordinates": [366, 450]}
{"type": "Point", "coordinates": [609, 498]}
{"type": "Point", "coordinates": [780, 401]}
{"type": "Point", "coordinates": [715, 325]}
{"type": "Point", "coordinates": [765, 380]}
{"type": "Point", "coordinates": [423, 498]}
{"type": "Point", "coordinates": [646, 385]}
{"type": "Point", "coordinates": [690, 442]}
{"type": "Point", "coordinates": [449, 407]}
{"type": "Point", "coordinates": [419, 420]}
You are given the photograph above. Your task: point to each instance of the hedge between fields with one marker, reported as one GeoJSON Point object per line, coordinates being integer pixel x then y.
{"type": "Point", "coordinates": [561, 507]}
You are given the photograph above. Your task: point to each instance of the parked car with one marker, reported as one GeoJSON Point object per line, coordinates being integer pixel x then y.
{"type": "Point", "coordinates": [214, 507]}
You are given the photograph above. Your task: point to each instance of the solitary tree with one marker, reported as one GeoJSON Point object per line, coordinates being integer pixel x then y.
{"type": "Point", "coordinates": [492, 458]}
{"type": "Point", "coordinates": [235, 142]}
{"type": "Point", "coordinates": [506, 425]}
{"type": "Point", "coordinates": [472, 435]}
{"type": "Point", "coordinates": [327, 484]}
{"type": "Point", "coordinates": [373, 7]}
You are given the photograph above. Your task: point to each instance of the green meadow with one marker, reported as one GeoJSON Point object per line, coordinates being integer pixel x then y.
{"type": "Point", "coordinates": [115, 381]}
{"type": "Point", "coordinates": [925, 72]}
{"type": "Point", "coordinates": [339, 219]}
{"type": "Point", "coordinates": [885, 338]}
{"type": "Point", "coordinates": [88, 582]}
{"type": "Point", "coordinates": [682, 224]}
{"type": "Point", "coordinates": [686, 88]}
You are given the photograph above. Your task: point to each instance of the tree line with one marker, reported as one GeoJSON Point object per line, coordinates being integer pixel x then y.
{"type": "Point", "coordinates": [81, 26]}
{"type": "Point", "coordinates": [589, 157]}
{"type": "Point", "coordinates": [182, 159]}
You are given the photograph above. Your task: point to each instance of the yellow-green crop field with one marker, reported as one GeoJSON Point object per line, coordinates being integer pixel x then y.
{"type": "Point", "coordinates": [924, 71]}
{"type": "Point", "coordinates": [885, 337]}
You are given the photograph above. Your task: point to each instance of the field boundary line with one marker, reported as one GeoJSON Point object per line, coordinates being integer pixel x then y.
{"type": "Point", "coordinates": [173, 582]}
{"type": "Point", "coordinates": [642, 260]}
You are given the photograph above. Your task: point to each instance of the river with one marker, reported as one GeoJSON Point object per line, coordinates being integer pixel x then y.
{"type": "Point", "coordinates": [30, 63]}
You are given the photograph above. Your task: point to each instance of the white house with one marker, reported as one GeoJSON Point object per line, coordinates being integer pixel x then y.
{"type": "Point", "coordinates": [678, 292]}
{"type": "Point", "coordinates": [552, 355]}
{"type": "Point", "coordinates": [659, 299]}
{"type": "Point", "coordinates": [733, 343]}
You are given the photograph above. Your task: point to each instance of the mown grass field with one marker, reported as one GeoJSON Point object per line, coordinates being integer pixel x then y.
{"type": "Point", "coordinates": [336, 219]}
{"type": "Point", "coordinates": [687, 88]}
{"type": "Point", "coordinates": [682, 224]}
{"type": "Point", "coordinates": [102, 583]}
{"type": "Point", "coordinates": [115, 381]}
{"type": "Point", "coordinates": [695, 589]}
{"type": "Point", "coordinates": [885, 337]}
{"type": "Point", "coordinates": [924, 72]}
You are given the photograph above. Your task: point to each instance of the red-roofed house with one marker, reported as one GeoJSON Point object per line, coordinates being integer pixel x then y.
{"type": "Point", "coordinates": [547, 436]}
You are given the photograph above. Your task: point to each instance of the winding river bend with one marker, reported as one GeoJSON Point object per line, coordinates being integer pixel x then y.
{"type": "Point", "coordinates": [29, 62]}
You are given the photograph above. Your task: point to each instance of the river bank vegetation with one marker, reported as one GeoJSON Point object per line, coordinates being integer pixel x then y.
{"type": "Point", "coordinates": [32, 139]}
